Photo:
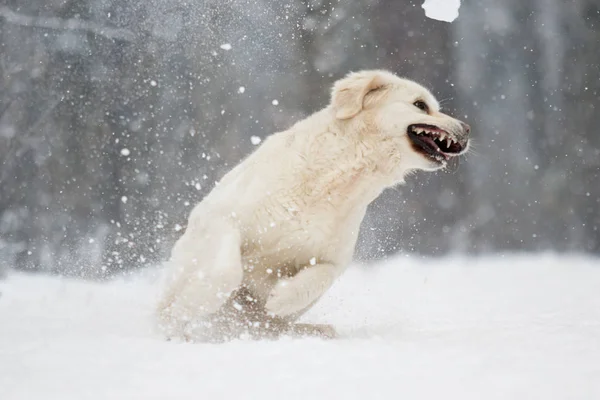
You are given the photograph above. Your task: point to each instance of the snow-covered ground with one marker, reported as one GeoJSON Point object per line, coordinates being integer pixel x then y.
{"type": "Point", "coordinates": [512, 327]}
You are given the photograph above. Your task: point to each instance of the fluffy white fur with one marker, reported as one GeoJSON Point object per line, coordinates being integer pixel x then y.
{"type": "Point", "coordinates": [279, 228]}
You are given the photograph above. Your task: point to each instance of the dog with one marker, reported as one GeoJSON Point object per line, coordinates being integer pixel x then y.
{"type": "Point", "coordinates": [276, 232]}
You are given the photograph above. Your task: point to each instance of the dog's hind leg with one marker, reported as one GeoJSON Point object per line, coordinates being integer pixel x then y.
{"type": "Point", "coordinates": [207, 267]}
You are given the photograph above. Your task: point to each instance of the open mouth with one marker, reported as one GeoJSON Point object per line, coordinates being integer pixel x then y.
{"type": "Point", "coordinates": [433, 142]}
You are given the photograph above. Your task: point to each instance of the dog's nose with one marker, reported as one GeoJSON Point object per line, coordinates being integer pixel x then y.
{"type": "Point", "coordinates": [465, 127]}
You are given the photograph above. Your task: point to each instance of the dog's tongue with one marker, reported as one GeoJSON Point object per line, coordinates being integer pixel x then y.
{"type": "Point", "coordinates": [434, 146]}
{"type": "Point", "coordinates": [429, 141]}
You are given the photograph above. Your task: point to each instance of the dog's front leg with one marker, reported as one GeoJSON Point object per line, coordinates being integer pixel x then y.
{"type": "Point", "coordinates": [292, 295]}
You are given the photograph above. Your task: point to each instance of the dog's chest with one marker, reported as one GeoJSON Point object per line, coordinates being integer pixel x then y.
{"type": "Point", "coordinates": [311, 214]}
{"type": "Point", "coordinates": [289, 231]}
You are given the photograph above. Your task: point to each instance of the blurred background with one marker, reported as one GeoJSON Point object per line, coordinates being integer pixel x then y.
{"type": "Point", "coordinates": [117, 116]}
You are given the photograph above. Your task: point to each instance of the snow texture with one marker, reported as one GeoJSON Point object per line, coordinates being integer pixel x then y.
{"type": "Point", "coordinates": [442, 10]}
{"type": "Point", "coordinates": [510, 327]}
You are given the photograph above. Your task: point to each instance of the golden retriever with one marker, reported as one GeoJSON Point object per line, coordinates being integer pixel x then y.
{"type": "Point", "coordinates": [280, 227]}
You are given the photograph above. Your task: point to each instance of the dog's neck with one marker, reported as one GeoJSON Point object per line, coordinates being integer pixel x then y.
{"type": "Point", "coordinates": [356, 174]}
{"type": "Point", "coordinates": [378, 156]}
{"type": "Point", "coordinates": [347, 161]}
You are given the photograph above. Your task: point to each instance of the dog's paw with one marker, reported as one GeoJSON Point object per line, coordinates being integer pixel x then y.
{"type": "Point", "coordinates": [295, 294]}
{"type": "Point", "coordinates": [286, 299]}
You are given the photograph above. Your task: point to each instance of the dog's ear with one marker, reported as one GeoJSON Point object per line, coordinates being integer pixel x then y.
{"type": "Point", "coordinates": [348, 93]}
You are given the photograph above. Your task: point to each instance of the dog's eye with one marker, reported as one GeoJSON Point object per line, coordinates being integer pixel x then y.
{"type": "Point", "coordinates": [421, 105]}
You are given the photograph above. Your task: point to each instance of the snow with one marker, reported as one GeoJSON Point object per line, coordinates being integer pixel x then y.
{"type": "Point", "coordinates": [505, 327]}
{"type": "Point", "coordinates": [442, 10]}
{"type": "Point", "coordinates": [255, 140]}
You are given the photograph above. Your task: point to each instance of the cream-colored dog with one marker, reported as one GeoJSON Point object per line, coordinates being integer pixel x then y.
{"type": "Point", "coordinates": [278, 229]}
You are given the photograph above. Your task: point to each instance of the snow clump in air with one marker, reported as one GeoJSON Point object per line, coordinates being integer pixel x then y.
{"type": "Point", "coordinates": [442, 10]}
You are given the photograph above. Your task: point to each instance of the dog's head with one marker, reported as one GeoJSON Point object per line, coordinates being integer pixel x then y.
{"type": "Point", "coordinates": [404, 116]}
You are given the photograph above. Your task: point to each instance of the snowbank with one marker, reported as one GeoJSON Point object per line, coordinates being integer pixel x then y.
{"type": "Point", "coordinates": [514, 327]}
